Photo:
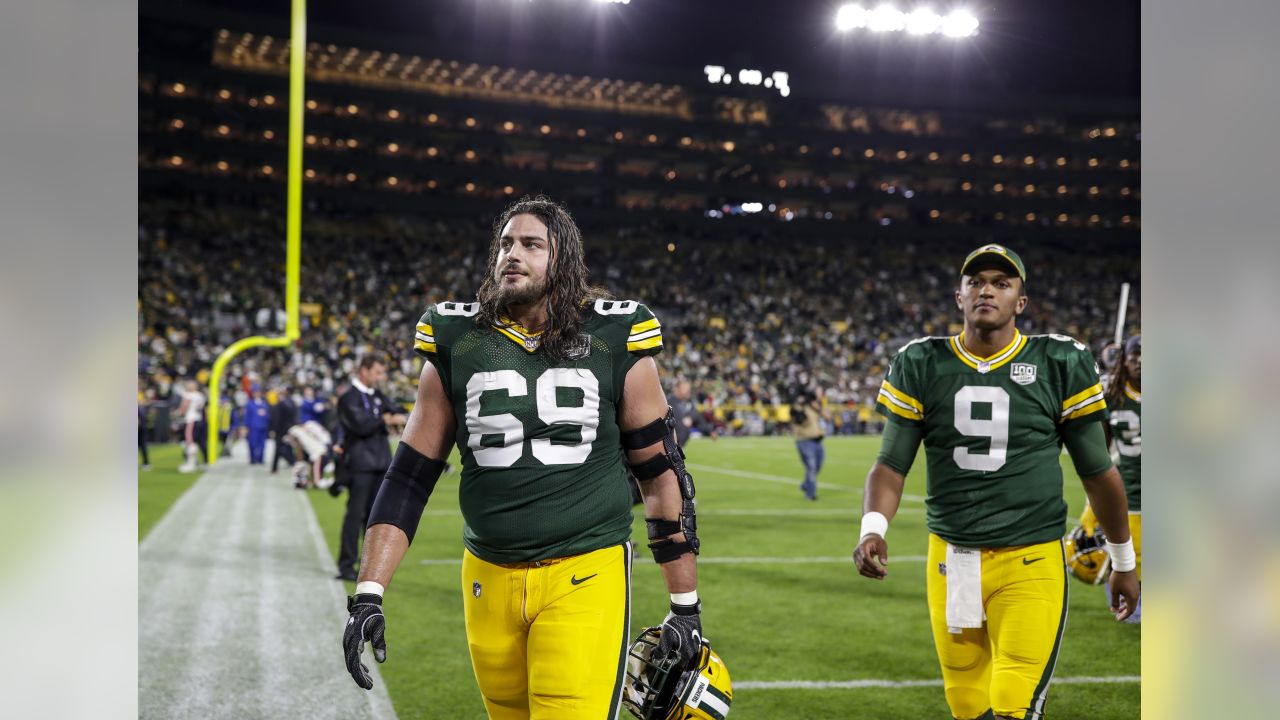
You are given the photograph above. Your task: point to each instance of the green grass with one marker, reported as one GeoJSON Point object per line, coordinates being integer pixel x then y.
{"type": "Point", "coordinates": [161, 486]}
{"type": "Point", "coordinates": [800, 621]}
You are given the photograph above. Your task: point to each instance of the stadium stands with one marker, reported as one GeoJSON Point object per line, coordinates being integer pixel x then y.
{"type": "Point", "coordinates": [783, 243]}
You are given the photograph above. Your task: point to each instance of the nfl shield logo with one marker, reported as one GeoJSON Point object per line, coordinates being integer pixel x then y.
{"type": "Point", "coordinates": [942, 568]}
{"type": "Point", "coordinates": [475, 588]}
{"type": "Point", "coordinates": [1023, 373]}
{"type": "Point", "coordinates": [531, 343]}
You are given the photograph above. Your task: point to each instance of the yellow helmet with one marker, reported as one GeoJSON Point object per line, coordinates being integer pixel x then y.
{"type": "Point", "coordinates": [1086, 549]}
{"type": "Point", "coordinates": [656, 689]}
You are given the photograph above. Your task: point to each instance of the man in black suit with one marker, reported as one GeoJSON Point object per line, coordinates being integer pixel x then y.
{"type": "Point", "coordinates": [284, 415]}
{"type": "Point", "coordinates": [365, 414]}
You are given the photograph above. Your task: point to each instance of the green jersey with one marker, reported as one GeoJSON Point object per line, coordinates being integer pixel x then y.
{"type": "Point", "coordinates": [1126, 429]}
{"type": "Point", "coordinates": [543, 470]}
{"type": "Point", "coordinates": [991, 432]}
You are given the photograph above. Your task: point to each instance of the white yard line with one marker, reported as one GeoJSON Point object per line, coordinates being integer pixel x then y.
{"type": "Point", "coordinates": [862, 684]}
{"type": "Point", "coordinates": [239, 616]}
{"type": "Point", "coordinates": [783, 479]}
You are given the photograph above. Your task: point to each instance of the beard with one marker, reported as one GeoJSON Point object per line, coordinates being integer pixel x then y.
{"type": "Point", "coordinates": [530, 292]}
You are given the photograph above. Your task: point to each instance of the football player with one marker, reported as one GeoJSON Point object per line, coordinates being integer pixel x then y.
{"type": "Point", "coordinates": [1125, 430]}
{"type": "Point", "coordinates": [550, 391]}
{"type": "Point", "coordinates": [1124, 434]}
{"type": "Point", "coordinates": [993, 407]}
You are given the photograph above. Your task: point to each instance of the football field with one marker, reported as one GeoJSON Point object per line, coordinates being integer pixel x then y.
{"type": "Point", "coordinates": [802, 634]}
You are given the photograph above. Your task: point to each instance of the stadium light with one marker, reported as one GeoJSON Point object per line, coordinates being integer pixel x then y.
{"type": "Point", "coordinates": [850, 17]}
{"type": "Point", "coordinates": [959, 24]}
{"type": "Point", "coordinates": [886, 18]}
{"type": "Point", "coordinates": [921, 21]}
{"type": "Point", "coordinates": [777, 80]}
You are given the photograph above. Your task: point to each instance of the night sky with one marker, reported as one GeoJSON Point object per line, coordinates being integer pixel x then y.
{"type": "Point", "coordinates": [1025, 48]}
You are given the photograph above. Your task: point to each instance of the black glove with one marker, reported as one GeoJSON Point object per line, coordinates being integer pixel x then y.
{"type": "Point", "coordinates": [366, 623]}
{"type": "Point", "coordinates": [681, 634]}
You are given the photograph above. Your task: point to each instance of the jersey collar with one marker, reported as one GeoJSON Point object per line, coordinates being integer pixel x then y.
{"type": "Point", "coordinates": [518, 334]}
{"type": "Point", "coordinates": [987, 364]}
{"type": "Point", "coordinates": [1132, 392]}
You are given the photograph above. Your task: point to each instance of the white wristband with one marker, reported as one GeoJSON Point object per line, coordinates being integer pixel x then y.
{"type": "Point", "coordinates": [369, 587]}
{"type": "Point", "coordinates": [685, 598]}
{"type": "Point", "coordinates": [1123, 557]}
{"type": "Point", "coordinates": [873, 523]}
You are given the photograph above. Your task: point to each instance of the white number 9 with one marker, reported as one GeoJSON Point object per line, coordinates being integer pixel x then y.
{"type": "Point", "coordinates": [997, 428]}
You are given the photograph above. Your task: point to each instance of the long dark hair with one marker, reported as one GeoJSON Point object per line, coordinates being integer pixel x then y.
{"type": "Point", "coordinates": [1120, 376]}
{"type": "Point", "coordinates": [567, 287]}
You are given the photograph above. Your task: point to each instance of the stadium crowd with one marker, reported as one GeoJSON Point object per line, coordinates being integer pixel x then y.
{"type": "Point", "coordinates": [749, 320]}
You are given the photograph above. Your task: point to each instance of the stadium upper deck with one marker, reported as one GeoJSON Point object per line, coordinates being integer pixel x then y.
{"type": "Point", "coordinates": [389, 130]}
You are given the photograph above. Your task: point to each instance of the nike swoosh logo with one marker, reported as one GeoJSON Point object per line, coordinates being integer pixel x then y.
{"type": "Point", "coordinates": [1025, 561]}
{"type": "Point", "coordinates": [575, 581]}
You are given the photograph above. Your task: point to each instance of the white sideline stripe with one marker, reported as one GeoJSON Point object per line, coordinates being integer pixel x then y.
{"type": "Point", "coordinates": [713, 560]}
{"type": "Point", "coordinates": [238, 614]}
{"type": "Point", "coordinates": [379, 699]}
{"type": "Point", "coordinates": [861, 684]}
{"type": "Point", "coordinates": [782, 479]}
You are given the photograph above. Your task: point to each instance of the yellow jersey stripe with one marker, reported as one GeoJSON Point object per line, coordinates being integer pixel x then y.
{"type": "Point", "coordinates": [655, 341]}
{"type": "Point", "coordinates": [644, 335]}
{"type": "Point", "coordinates": [1131, 393]}
{"type": "Point", "coordinates": [993, 362]}
{"type": "Point", "coordinates": [515, 337]}
{"type": "Point", "coordinates": [519, 330]}
{"type": "Point", "coordinates": [1087, 401]}
{"type": "Point", "coordinates": [425, 329]}
{"type": "Point", "coordinates": [1081, 396]}
{"type": "Point", "coordinates": [424, 346]}
{"type": "Point", "coordinates": [897, 407]}
{"type": "Point", "coordinates": [895, 392]}
{"type": "Point", "coordinates": [1088, 409]}
{"type": "Point", "coordinates": [649, 324]}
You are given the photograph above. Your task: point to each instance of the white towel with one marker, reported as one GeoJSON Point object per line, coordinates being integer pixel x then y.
{"type": "Point", "coordinates": [964, 589]}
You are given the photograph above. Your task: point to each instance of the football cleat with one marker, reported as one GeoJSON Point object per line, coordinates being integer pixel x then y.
{"type": "Point", "coordinates": [1086, 550]}
{"type": "Point", "coordinates": [657, 689]}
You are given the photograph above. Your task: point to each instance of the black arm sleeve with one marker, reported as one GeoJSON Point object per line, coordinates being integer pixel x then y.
{"type": "Point", "coordinates": [898, 446]}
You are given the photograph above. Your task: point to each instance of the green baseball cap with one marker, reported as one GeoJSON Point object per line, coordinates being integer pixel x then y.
{"type": "Point", "coordinates": [1000, 252]}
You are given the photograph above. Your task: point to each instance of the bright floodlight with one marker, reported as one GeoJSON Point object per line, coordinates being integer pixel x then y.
{"type": "Point", "coordinates": [921, 21]}
{"type": "Point", "coordinates": [959, 24]}
{"type": "Point", "coordinates": [886, 18]}
{"type": "Point", "coordinates": [850, 17]}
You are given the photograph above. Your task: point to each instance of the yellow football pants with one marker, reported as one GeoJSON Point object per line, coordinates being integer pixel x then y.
{"type": "Point", "coordinates": [1005, 666]}
{"type": "Point", "coordinates": [1090, 521]}
{"type": "Point", "coordinates": [549, 639]}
